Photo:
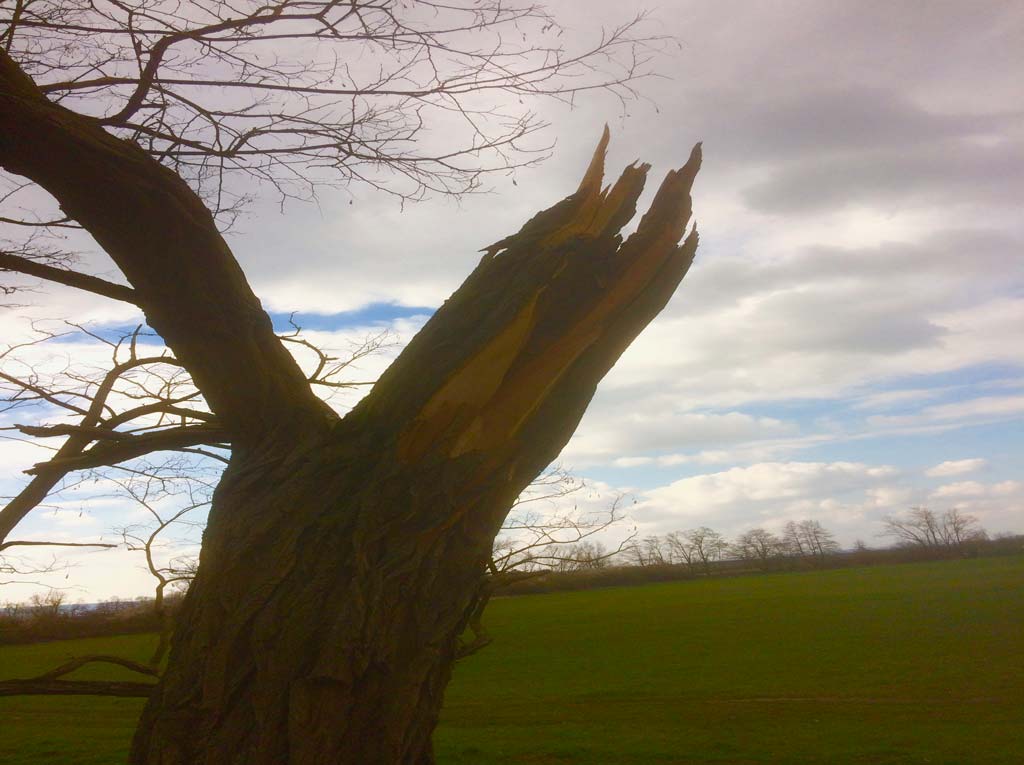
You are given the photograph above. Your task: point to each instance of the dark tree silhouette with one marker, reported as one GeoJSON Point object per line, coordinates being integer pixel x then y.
{"type": "Point", "coordinates": [921, 527]}
{"type": "Point", "coordinates": [758, 545]}
{"type": "Point", "coordinates": [808, 539]}
{"type": "Point", "coordinates": [343, 555]}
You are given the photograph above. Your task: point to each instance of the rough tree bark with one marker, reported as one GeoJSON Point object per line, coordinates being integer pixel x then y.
{"type": "Point", "coordinates": [343, 556]}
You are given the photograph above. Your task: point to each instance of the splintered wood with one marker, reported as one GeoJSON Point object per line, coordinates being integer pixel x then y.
{"type": "Point", "coordinates": [586, 285]}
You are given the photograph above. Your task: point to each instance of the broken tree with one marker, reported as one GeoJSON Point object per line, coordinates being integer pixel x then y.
{"type": "Point", "coordinates": [343, 555]}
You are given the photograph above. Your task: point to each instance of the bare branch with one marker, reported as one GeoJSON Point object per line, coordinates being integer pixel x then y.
{"type": "Point", "coordinates": [354, 99]}
{"type": "Point", "coordinates": [80, 661]}
{"type": "Point", "coordinates": [130, 447]}
{"type": "Point", "coordinates": [95, 285]}
{"type": "Point", "coordinates": [26, 543]}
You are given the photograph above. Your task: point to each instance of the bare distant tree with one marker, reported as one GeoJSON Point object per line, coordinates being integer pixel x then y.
{"type": "Point", "coordinates": [48, 605]}
{"type": "Point", "coordinates": [819, 539]}
{"type": "Point", "coordinates": [959, 528]}
{"type": "Point", "coordinates": [542, 534]}
{"type": "Point", "coordinates": [696, 548]}
{"type": "Point", "coordinates": [758, 545]}
{"type": "Point", "coordinates": [918, 527]}
{"type": "Point", "coordinates": [680, 549]}
{"type": "Point", "coordinates": [587, 555]}
{"type": "Point", "coordinates": [653, 550]}
{"type": "Point", "coordinates": [793, 542]}
{"type": "Point", "coordinates": [708, 545]}
{"type": "Point", "coordinates": [808, 539]}
{"type": "Point", "coordinates": [922, 527]}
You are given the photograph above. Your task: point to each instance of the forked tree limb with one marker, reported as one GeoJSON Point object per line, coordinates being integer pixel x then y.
{"type": "Point", "coordinates": [76, 454]}
{"type": "Point", "coordinates": [165, 241]}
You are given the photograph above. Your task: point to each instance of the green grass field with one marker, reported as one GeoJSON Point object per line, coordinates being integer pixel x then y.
{"type": "Point", "coordinates": [917, 663]}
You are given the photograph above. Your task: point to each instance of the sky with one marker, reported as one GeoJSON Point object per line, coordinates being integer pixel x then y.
{"type": "Point", "coordinates": [848, 341]}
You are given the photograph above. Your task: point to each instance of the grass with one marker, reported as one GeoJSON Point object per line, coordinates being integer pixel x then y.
{"type": "Point", "coordinates": [916, 663]}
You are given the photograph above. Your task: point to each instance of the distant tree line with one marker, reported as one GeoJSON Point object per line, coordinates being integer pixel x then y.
{"type": "Point", "coordinates": [923, 528]}
{"type": "Point", "coordinates": [700, 549]}
{"type": "Point", "coordinates": [48, 616]}
{"type": "Point", "coordinates": [557, 550]}
{"type": "Point", "coordinates": [916, 535]}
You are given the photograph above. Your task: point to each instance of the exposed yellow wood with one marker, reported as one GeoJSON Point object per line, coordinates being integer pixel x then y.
{"type": "Point", "coordinates": [591, 183]}
{"type": "Point", "coordinates": [528, 386]}
{"type": "Point", "coordinates": [471, 387]}
{"type": "Point", "coordinates": [589, 199]}
{"type": "Point", "coordinates": [486, 402]}
{"type": "Point", "coordinates": [614, 200]}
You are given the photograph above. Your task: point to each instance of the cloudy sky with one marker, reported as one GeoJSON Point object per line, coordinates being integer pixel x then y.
{"type": "Point", "coordinates": [848, 342]}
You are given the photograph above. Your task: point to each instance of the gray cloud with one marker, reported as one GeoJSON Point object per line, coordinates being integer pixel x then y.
{"type": "Point", "coordinates": [825, 121]}
{"type": "Point", "coordinates": [949, 268]}
{"type": "Point", "coordinates": [917, 173]}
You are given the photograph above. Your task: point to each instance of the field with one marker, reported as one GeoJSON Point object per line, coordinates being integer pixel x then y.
{"type": "Point", "coordinates": [917, 663]}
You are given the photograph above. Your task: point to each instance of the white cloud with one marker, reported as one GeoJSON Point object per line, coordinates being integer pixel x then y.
{"type": "Point", "coordinates": [1005, 488]}
{"type": "Point", "coordinates": [998, 506]}
{"type": "Point", "coordinates": [980, 409]}
{"type": "Point", "coordinates": [86, 574]}
{"type": "Point", "coordinates": [17, 454]}
{"type": "Point", "coordinates": [955, 467]}
{"type": "Point", "coordinates": [889, 497]}
{"type": "Point", "coordinates": [850, 499]}
{"type": "Point", "coordinates": [985, 406]}
{"type": "Point", "coordinates": [959, 489]}
{"type": "Point", "coordinates": [837, 493]}
{"type": "Point", "coordinates": [893, 398]}
{"type": "Point", "coordinates": [642, 430]}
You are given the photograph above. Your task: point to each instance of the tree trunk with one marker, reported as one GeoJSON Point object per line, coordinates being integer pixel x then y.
{"type": "Point", "coordinates": [323, 623]}
{"type": "Point", "coordinates": [343, 556]}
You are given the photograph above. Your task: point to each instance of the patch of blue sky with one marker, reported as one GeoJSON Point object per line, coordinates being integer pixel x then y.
{"type": "Point", "coordinates": [1000, 444]}
{"type": "Point", "coordinates": [789, 410]}
{"type": "Point", "coordinates": [109, 332]}
{"type": "Point", "coordinates": [904, 395]}
{"type": "Point", "coordinates": [640, 477]}
{"type": "Point", "coordinates": [371, 315]}
{"type": "Point", "coordinates": [962, 379]}
{"type": "Point", "coordinates": [847, 429]}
